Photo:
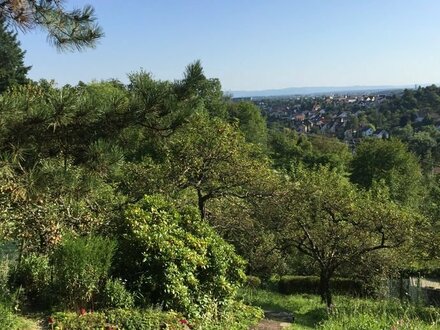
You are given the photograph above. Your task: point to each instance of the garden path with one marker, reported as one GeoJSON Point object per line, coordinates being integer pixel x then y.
{"type": "Point", "coordinates": [275, 320]}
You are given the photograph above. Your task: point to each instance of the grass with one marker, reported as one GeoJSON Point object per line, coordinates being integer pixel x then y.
{"type": "Point", "coordinates": [348, 314]}
{"type": "Point", "coordinates": [11, 321]}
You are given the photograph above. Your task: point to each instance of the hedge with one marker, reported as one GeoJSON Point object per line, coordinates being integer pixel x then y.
{"type": "Point", "coordinates": [310, 284]}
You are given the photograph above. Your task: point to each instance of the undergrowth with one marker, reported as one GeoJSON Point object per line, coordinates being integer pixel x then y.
{"type": "Point", "coordinates": [348, 313]}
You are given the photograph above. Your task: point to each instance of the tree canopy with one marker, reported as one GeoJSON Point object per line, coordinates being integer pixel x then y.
{"type": "Point", "coordinates": [325, 217]}
{"type": "Point", "coordinates": [391, 162]}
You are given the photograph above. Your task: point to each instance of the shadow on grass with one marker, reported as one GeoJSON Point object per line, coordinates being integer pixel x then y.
{"type": "Point", "coordinates": [306, 318]}
{"type": "Point", "coordinates": [311, 318]}
{"type": "Point", "coordinates": [271, 306]}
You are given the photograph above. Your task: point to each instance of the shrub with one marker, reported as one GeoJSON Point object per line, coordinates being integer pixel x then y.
{"type": "Point", "coordinates": [235, 315]}
{"type": "Point", "coordinates": [7, 319]}
{"type": "Point", "coordinates": [253, 282]}
{"type": "Point", "coordinates": [310, 284]}
{"type": "Point", "coordinates": [145, 319]}
{"type": "Point", "coordinates": [298, 284]}
{"type": "Point", "coordinates": [10, 321]}
{"type": "Point", "coordinates": [73, 321]}
{"type": "Point", "coordinates": [4, 274]}
{"type": "Point", "coordinates": [176, 259]}
{"type": "Point", "coordinates": [347, 286]}
{"type": "Point", "coordinates": [117, 318]}
{"type": "Point", "coordinates": [32, 278]}
{"type": "Point", "coordinates": [115, 295]}
{"type": "Point", "coordinates": [80, 266]}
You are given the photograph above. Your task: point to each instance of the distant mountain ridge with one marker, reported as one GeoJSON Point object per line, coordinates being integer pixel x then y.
{"type": "Point", "coordinates": [315, 90]}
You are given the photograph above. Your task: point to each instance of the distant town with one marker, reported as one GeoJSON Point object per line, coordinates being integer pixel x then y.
{"type": "Point", "coordinates": [349, 117]}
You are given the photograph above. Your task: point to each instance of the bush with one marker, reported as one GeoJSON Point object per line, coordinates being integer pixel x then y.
{"type": "Point", "coordinates": [115, 295]}
{"type": "Point", "coordinates": [7, 319]}
{"type": "Point", "coordinates": [310, 284]}
{"type": "Point", "coordinates": [10, 321]}
{"type": "Point", "coordinates": [347, 286]}
{"type": "Point", "coordinates": [145, 319]}
{"type": "Point", "coordinates": [32, 278]}
{"type": "Point", "coordinates": [253, 282]}
{"type": "Point", "coordinates": [4, 275]}
{"type": "Point", "coordinates": [80, 267]}
{"type": "Point", "coordinates": [175, 259]}
{"type": "Point", "coordinates": [117, 319]}
{"type": "Point", "coordinates": [236, 316]}
{"type": "Point", "coordinates": [73, 321]}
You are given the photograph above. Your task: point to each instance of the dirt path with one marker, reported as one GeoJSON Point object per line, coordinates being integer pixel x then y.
{"type": "Point", "coordinates": [274, 320]}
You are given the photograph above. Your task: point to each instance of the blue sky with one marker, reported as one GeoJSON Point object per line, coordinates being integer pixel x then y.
{"type": "Point", "coordinates": [255, 44]}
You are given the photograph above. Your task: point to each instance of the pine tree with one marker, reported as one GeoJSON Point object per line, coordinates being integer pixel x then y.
{"type": "Point", "coordinates": [12, 68]}
{"type": "Point", "coordinates": [66, 29]}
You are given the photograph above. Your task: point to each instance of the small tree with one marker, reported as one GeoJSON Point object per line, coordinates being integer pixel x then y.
{"type": "Point", "coordinates": [325, 217]}
{"type": "Point", "coordinates": [212, 158]}
{"type": "Point", "coordinates": [390, 161]}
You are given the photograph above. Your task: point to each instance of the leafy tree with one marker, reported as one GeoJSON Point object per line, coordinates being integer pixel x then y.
{"type": "Point", "coordinates": [326, 218]}
{"type": "Point", "coordinates": [390, 161]}
{"type": "Point", "coordinates": [289, 149]}
{"type": "Point", "coordinates": [212, 158]}
{"type": "Point", "coordinates": [66, 29]}
{"type": "Point", "coordinates": [12, 68]}
{"type": "Point", "coordinates": [250, 122]}
{"type": "Point", "coordinates": [239, 222]}
{"type": "Point", "coordinates": [425, 146]}
{"type": "Point", "coordinates": [286, 148]}
{"type": "Point", "coordinates": [328, 152]}
{"type": "Point", "coordinates": [426, 246]}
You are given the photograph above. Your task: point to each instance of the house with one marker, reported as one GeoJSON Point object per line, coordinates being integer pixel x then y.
{"type": "Point", "coordinates": [302, 129]}
{"type": "Point", "coordinates": [419, 118]}
{"type": "Point", "coordinates": [367, 131]}
{"type": "Point", "coordinates": [342, 117]}
{"type": "Point", "coordinates": [300, 116]}
{"type": "Point", "coordinates": [349, 134]}
{"type": "Point", "coordinates": [316, 107]}
{"type": "Point", "coordinates": [308, 124]}
{"type": "Point", "coordinates": [382, 134]}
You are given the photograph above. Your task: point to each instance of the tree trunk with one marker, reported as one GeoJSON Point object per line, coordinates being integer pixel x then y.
{"type": "Point", "coordinates": [324, 287]}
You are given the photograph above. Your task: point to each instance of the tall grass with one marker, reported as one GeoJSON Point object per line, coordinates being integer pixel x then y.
{"type": "Point", "coordinates": [10, 321]}
{"type": "Point", "coordinates": [363, 314]}
{"type": "Point", "coordinates": [348, 313]}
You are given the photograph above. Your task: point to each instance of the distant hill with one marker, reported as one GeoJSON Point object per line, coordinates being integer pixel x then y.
{"type": "Point", "coordinates": [292, 91]}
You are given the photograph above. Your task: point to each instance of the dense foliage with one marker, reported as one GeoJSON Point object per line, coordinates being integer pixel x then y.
{"type": "Point", "coordinates": [175, 259]}
{"type": "Point", "coordinates": [164, 194]}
